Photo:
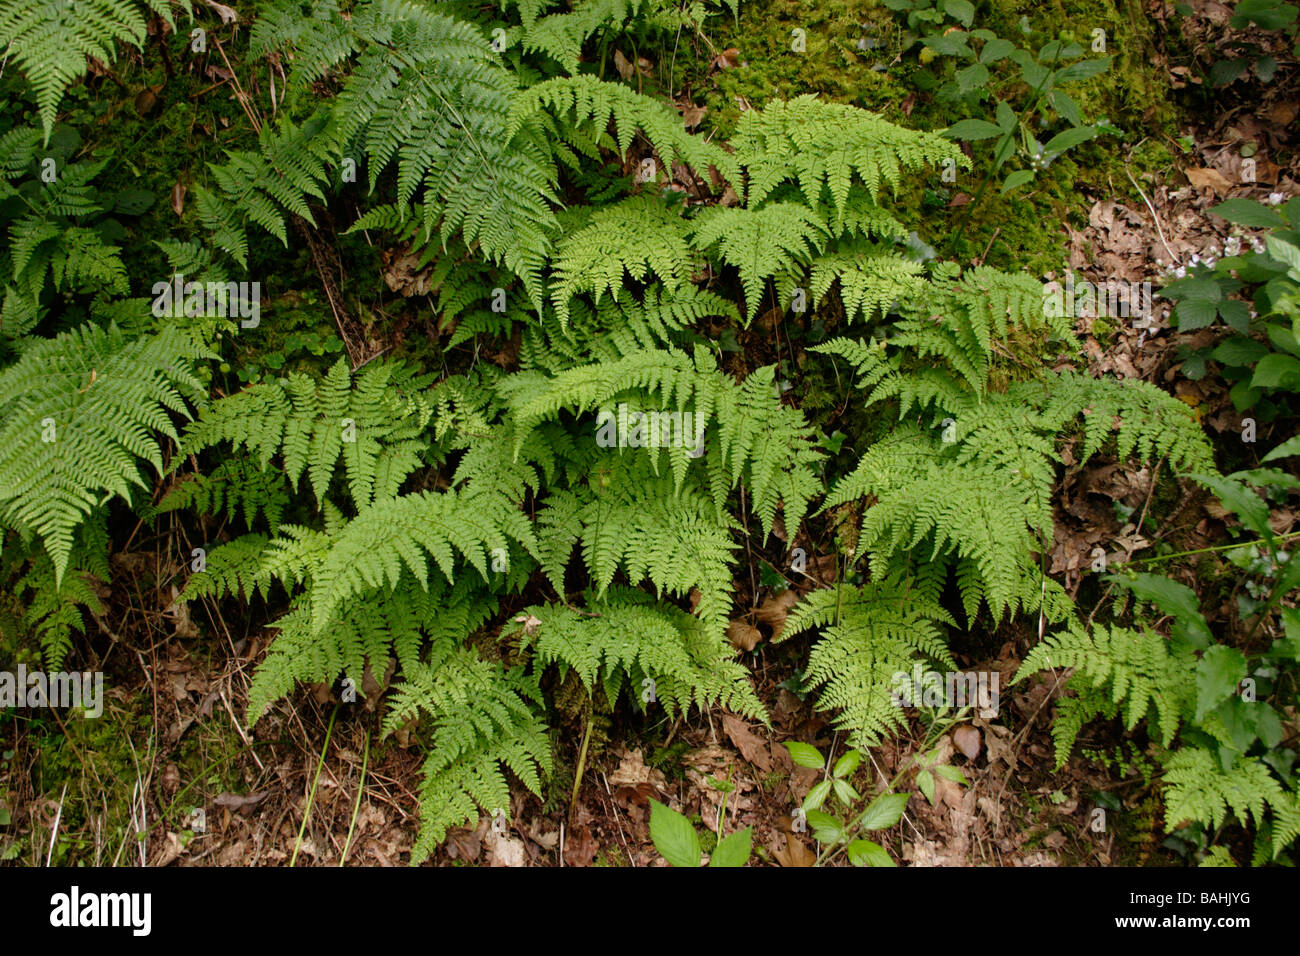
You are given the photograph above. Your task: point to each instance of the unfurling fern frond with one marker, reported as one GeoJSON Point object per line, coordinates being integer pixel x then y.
{"type": "Point", "coordinates": [77, 415]}
{"type": "Point", "coordinates": [871, 635]}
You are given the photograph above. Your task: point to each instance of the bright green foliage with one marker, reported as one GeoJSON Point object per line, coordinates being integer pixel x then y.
{"type": "Point", "coordinates": [49, 40]}
{"type": "Point", "coordinates": [1198, 787]}
{"type": "Point", "coordinates": [419, 89]}
{"type": "Point", "coordinates": [77, 414]}
{"type": "Point", "coordinates": [824, 146]}
{"type": "Point", "coordinates": [636, 237]}
{"type": "Point", "coordinates": [627, 639]}
{"type": "Point", "coordinates": [749, 433]}
{"type": "Point", "coordinates": [870, 634]}
{"type": "Point", "coordinates": [371, 419]}
{"type": "Point", "coordinates": [975, 481]}
{"type": "Point", "coordinates": [53, 237]}
{"type": "Point", "coordinates": [51, 610]}
{"type": "Point", "coordinates": [481, 720]}
{"type": "Point", "coordinates": [1134, 673]}
{"type": "Point", "coordinates": [578, 111]}
{"type": "Point", "coordinates": [761, 243]}
{"type": "Point", "coordinates": [236, 488]}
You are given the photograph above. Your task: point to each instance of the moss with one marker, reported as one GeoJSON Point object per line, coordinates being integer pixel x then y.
{"type": "Point", "coordinates": [1023, 230]}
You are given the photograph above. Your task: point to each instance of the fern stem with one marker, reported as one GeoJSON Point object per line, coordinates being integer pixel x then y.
{"type": "Point", "coordinates": [356, 807]}
{"type": "Point", "coordinates": [311, 797]}
{"type": "Point", "coordinates": [582, 763]}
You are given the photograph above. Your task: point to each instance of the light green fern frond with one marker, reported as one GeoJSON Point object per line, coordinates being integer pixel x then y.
{"type": "Point", "coordinates": [77, 415]}
{"type": "Point", "coordinates": [871, 634]}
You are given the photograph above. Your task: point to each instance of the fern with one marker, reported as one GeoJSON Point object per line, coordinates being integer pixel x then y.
{"type": "Point", "coordinates": [625, 638]}
{"type": "Point", "coordinates": [1140, 672]}
{"type": "Point", "coordinates": [756, 436]}
{"type": "Point", "coordinates": [49, 40]}
{"type": "Point", "coordinates": [79, 413]}
{"type": "Point", "coordinates": [1198, 788]}
{"type": "Point", "coordinates": [825, 146]}
{"type": "Point", "coordinates": [761, 243]}
{"type": "Point", "coordinates": [371, 420]}
{"type": "Point", "coordinates": [870, 635]}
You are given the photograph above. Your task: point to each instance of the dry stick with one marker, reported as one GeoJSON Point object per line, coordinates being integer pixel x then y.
{"type": "Point", "coordinates": [57, 817]}
{"type": "Point", "coordinates": [1154, 217]}
{"type": "Point", "coordinates": [617, 819]}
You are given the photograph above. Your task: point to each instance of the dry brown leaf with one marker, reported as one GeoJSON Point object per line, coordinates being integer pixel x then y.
{"type": "Point", "coordinates": [751, 747]}
{"type": "Point", "coordinates": [743, 637]}
{"type": "Point", "coordinates": [794, 853]}
{"type": "Point", "coordinates": [632, 772]}
{"type": "Point", "coordinates": [623, 65]}
{"type": "Point", "coordinates": [967, 740]}
{"type": "Point", "coordinates": [579, 847]}
{"type": "Point", "coordinates": [775, 609]}
{"type": "Point", "coordinates": [1208, 178]}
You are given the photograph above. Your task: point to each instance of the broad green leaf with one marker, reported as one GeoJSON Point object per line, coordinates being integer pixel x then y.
{"type": "Point", "coordinates": [952, 774]}
{"type": "Point", "coordinates": [866, 853]}
{"type": "Point", "coordinates": [1251, 510]}
{"type": "Point", "coordinates": [805, 755]}
{"type": "Point", "coordinates": [673, 836]}
{"type": "Point", "coordinates": [846, 794]}
{"type": "Point", "coordinates": [817, 796]}
{"type": "Point", "coordinates": [1083, 70]}
{"type": "Point", "coordinates": [925, 781]}
{"type": "Point", "coordinates": [1218, 673]}
{"type": "Point", "coordinates": [996, 49]}
{"type": "Point", "coordinates": [1174, 599]}
{"type": "Point", "coordinates": [826, 829]}
{"type": "Point", "coordinates": [1289, 447]}
{"type": "Point", "coordinates": [886, 810]}
{"type": "Point", "coordinates": [972, 129]}
{"type": "Point", "coordinates": [733, 850]}
{"type": "Point", "coordinates": [1247, 212]}
{"type": "Point", "coordinates": [1239, 350]}
{"type": "Point", "coordinates": [847, 763]}
{"type": "Point", "coordinates": [1017, 179]}
{"type": "Point", "coordinates": [1277, 371]}
{"type": "Point", "coordinates": [1069, 139]}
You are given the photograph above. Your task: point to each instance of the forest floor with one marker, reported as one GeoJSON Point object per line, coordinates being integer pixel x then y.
{"type": "Point", "coordinates": [178, 697]}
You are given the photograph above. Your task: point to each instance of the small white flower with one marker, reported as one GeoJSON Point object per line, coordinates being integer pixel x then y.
{"type": "Point", "coordinates": [1180, 272]}
{"type": "Point", "coordinates": [1275, 199]}
{"type": "Point", "coordinates": [1232, 246]}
